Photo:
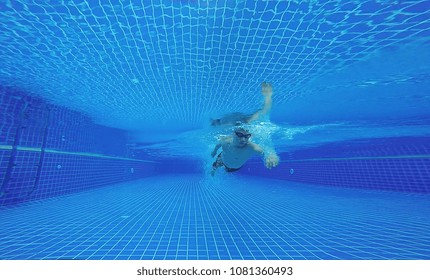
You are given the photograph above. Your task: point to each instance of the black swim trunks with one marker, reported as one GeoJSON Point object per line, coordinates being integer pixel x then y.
{"type": "Point", "coordinates": [218, 163]}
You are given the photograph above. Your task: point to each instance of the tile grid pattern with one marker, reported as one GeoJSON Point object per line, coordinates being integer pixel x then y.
{"type": "Point", "coordinates": [404, 174]}
{"type": "Point", "coordinates": [192, 217]}
{"type": "Point", "coordinates": [47, 150]}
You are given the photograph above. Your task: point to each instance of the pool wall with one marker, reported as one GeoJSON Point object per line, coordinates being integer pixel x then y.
{"type": "Point", "coordinates": [47, 150]}
{"type": "Point", "coordinates": [400, 164]}
{"type": "Point", "coordinates": [409, 173]}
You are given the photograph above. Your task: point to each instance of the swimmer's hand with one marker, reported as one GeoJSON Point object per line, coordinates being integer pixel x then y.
{"type": "Point", "coordinates": [271, 161]}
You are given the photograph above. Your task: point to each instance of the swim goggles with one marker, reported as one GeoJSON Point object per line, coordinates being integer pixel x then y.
{"type": "Point", "coordinates": [241, 135]}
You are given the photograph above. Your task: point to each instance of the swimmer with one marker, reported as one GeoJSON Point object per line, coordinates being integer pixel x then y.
{"type": "Point", "coordinates": [237, 149]}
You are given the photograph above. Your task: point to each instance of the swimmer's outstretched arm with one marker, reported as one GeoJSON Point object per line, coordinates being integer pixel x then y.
{"type": "Point", "coordinates": [271, 159]}
{"type": "Point", "coordinates": [266, 91]}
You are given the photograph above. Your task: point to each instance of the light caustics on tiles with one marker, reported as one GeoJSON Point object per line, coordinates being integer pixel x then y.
{"type": "Point", "coordinates": [151, 63]}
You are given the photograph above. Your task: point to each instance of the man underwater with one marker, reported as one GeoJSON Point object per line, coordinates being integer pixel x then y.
{"type": "Point", "coordinates": [237, 149]}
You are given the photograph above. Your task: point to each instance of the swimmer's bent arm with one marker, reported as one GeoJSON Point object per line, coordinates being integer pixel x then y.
{"type": "Point", "coordinates": [266, 91]}
{"type": "Point", "coordinates": [271, 159]}
{"type": "Point", "coordinates": [223, 140]}
{"type": "Point", "coordinates": [216, 149]}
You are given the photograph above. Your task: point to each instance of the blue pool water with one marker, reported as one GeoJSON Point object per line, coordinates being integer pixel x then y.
{"type": "Point", "coordinates": [105, 135]}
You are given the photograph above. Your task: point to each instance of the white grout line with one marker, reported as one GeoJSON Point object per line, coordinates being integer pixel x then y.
{"type": "Point", "coordinates": [30, 149]}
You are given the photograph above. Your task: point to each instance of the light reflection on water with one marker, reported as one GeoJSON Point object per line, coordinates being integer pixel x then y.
{"type": "Point", "coordinates": [200, 143]}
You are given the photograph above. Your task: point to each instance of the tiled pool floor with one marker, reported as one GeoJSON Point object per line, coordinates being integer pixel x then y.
{"type": "Point", "coordinates": [227, 217]}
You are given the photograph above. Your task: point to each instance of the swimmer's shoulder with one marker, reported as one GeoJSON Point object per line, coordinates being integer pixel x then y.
{"type": "Point", "coordinates": [225, 139]}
